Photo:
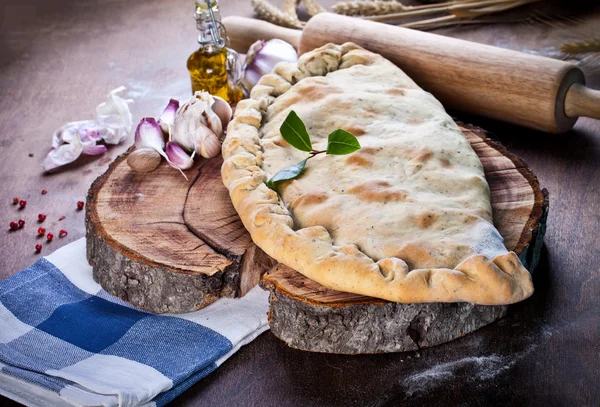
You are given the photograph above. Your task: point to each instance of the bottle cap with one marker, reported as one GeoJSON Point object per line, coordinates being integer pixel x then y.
{"type": "Point", "coordinates": [208, 18]}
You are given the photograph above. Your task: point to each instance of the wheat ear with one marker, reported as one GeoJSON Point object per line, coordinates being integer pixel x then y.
{"type": "Point", "coordinates": [368, 8]}
{"type": "Point", "coordinates": [313, 8]}
{"type": "Point", "coordinates": [268, 12]}
{"type": "Point", "coordinates": [581, 47]}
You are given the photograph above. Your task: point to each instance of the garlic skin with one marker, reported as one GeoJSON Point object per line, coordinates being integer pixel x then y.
{"type": "Point", "coordinates": [149, 134]}
{"type": "Point", "coordinates": [73, 139]}
{"type": "Point", "coordinates": [197, 127]}
{"type": "Point", "coordinates": [144, 159]}
{"type": "Point", "coordinates": [178, 158]}
{"type": "Point", "coordinates": [80, 129]}
{"type": "Point", "coordinates": [94, 149]}
{"type": "Point", "coordinates": [262, 57]}
{"type": "Point", "coordinates": [89, 132]}
{"type": "Point", "coordinates": [115, 116]}
{"type": "Point", "coordinates": [112, 125]}
{"type": "Point", "coordinates": [168, 116]}
{"type": "Point", "coordinates": [63, 154]}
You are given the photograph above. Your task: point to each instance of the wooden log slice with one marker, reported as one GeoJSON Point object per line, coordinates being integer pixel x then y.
{"type": "Point", "coordinates": [165, 244]}
{"type": "Point", "coordinates": [311, 317]}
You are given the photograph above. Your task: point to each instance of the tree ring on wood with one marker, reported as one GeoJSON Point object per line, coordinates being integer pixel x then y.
{"type": "Point", "coordinates": [165, 244]}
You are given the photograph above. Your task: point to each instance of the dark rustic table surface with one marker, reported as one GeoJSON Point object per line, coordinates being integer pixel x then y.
{"type": "Point", "coordinates": [58, 59]}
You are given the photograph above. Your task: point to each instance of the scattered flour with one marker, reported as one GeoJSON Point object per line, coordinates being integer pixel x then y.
{"type": "Point", "coordinates": [482, 368]}
{"type": "Point", "coordinates": [479, 368]}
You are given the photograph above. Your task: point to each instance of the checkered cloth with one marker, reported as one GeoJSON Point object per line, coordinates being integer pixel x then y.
{"type": "Point", "coordinates": [64, 341]}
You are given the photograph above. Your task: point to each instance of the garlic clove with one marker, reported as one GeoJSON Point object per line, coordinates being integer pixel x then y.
{"type": "Point", "coordinates": [143, 159]}
{"type": "Point", "coordinates": [262, 58]}
{"type": "Point", "coordinates": [148, 134]}
{"type": "Point", "coordinates": [223, 110]}
{"type": "Point", "coordinates": [210, 146]}
{"type": "Point", "coordinates": [212, 121]}
{"type": "Point", "coordinates": [182, 131]}
{"type": "Point", "coordinates": [177, 157]}
{"type": "Point", "coordinates": [167, 117]}
{"type": "Point", "coordinates": [210, 118]}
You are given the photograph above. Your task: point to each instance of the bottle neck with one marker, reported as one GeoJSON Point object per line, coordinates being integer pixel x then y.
{"type": "Point", "coordinates": [211, 32]}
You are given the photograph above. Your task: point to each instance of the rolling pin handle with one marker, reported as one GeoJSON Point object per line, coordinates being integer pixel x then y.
{"type": "Point", "coordinates": [582, 101]}
{"type": "Point", "coordinates": [243, 32]}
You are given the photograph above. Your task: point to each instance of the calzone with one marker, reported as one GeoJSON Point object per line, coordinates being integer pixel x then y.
{"type": "Point", "coordinates": [407, 218]}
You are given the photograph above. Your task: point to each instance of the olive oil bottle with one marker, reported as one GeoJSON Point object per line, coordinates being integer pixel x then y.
{"type": "Point", "coordinates": [214, 67]}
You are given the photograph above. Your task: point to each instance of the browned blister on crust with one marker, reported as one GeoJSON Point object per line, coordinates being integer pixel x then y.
{"type": "Point", "coordinates": [407, 218]}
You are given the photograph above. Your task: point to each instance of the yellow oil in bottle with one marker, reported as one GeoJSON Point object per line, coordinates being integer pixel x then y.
{"type": "Point", "coordinates": [208, 72]}
{"type": "Point", "coordinates": [208, 66]}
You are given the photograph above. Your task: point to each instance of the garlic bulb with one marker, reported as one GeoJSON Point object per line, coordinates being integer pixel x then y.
{"type": "Point", "coordinates": [262, 58]}
{"type": "Point", "coordinates": [197, 127]}
{"type": "Point", "coordinates": [144, 159]}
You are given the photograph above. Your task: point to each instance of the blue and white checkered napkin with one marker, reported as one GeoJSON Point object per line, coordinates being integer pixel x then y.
{"type": "Point", "coordinates": [64, 341]}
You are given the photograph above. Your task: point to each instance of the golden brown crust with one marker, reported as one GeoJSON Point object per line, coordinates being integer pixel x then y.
{"type": "Point", "coordinates": [450, 274]}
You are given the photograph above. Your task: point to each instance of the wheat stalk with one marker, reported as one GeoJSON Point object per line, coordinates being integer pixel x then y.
{"type": "Point", "coordinates": [449, 21]}
{"type": "Point", "coordinates": [268, 12]}
{"type": "Point", "coordinates": [456, 12]}
{"type": "Point", "coordinates": [381, 7]}
{"type": "Point", "coordinates": [463, 17]}
{"type": "Point", "coordinates": [368, 8]}
{"type": "Point", "coordinates": [581, 47]}
{"type": "Point", "coordinates": [460, 9]}
{"type": "Point", "coordinates": [289, 8]}
{"type": "Point", "coordinates": [448, 13]}
{"type": "Point", "coordinates": [494, 8]}
{"type": "Point", "coordinates": [313, 8]}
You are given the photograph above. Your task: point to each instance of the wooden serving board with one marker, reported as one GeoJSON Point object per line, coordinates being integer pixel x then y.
{"type": "Point", "coordinates": [165, 244]}
{"type": "Point", "coordinates": [311, 317]}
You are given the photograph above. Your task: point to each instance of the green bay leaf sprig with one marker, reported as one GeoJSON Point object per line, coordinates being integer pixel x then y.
{"type": "Point", "coordinates": [293, 130]}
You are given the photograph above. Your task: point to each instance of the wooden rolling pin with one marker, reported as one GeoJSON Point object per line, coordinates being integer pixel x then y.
{"type": "Point", "coordinates": [524, 89]}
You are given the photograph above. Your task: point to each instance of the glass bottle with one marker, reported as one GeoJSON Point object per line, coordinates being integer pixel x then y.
{"type": "Point", "coordinates": [214, 67]}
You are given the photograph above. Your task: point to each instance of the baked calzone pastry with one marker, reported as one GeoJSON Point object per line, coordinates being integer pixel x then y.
{"type": "Point", "coordinates": [406, 218]}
